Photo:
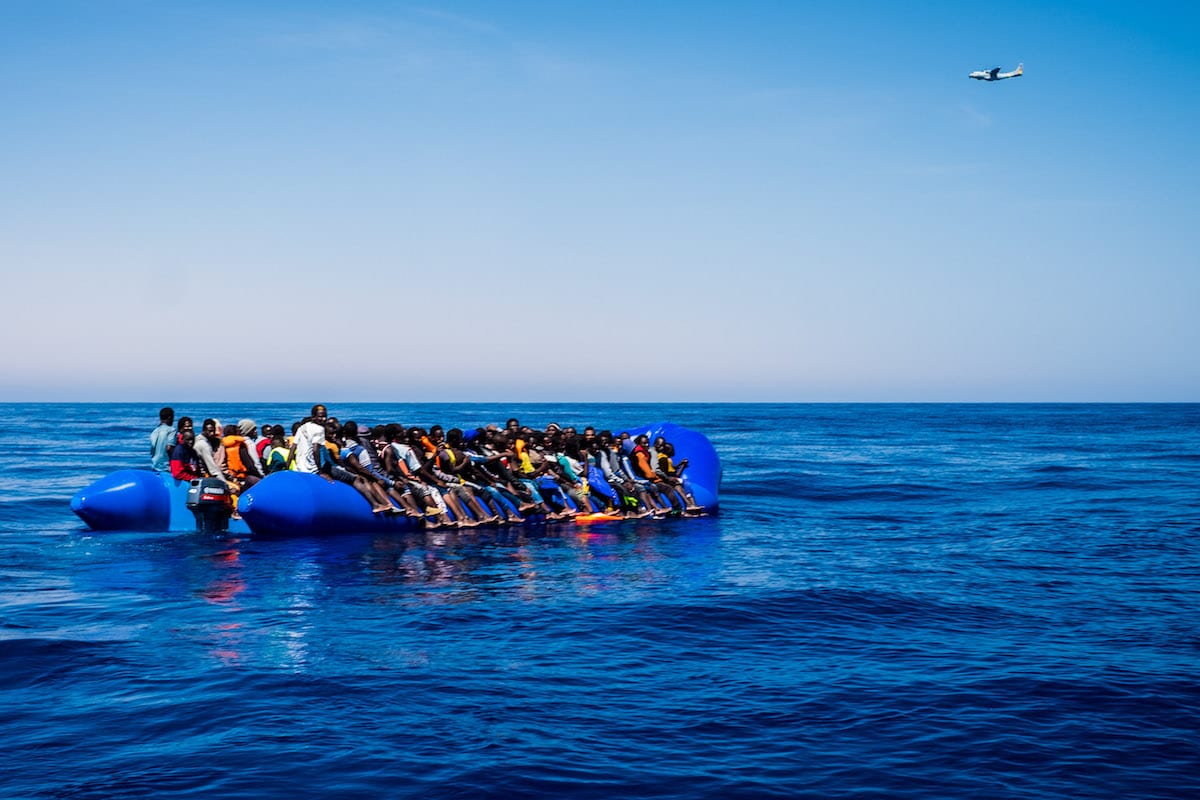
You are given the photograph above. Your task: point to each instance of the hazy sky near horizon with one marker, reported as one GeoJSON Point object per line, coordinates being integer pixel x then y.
{"type": "Point", "coordinates": [643, 201]}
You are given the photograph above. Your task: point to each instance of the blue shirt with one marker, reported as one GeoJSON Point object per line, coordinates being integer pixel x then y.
{"type": "Point", "coordinates": [161, 442]}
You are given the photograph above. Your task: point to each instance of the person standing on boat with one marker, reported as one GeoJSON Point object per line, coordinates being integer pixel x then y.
{"type": "Point", "coordinates": [161, 441]}
{"type": "Point", "coordinates": [306, 452]}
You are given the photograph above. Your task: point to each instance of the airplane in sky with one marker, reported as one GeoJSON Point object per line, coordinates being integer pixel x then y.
{"type": "Point", "coordinates": [994, 74]}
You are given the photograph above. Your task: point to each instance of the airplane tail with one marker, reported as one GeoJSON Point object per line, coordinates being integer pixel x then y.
{"type": "Point", "coordinates": [1020, 69]}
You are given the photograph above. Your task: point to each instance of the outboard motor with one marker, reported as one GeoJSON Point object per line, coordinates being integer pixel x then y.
{"type": "Point", "coordinates": [210, 501]}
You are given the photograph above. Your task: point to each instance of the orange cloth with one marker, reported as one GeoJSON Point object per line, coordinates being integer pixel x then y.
{"type": "Point", "coordinates": [233, 455]}
{"type": "Point", "coordinates": [641, 462]}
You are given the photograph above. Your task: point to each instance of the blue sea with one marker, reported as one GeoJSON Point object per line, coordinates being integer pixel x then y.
{"type": "Point", "coordinates": [896, 601]}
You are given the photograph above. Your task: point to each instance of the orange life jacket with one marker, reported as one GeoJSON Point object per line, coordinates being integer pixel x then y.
{"type": "Point", "coordinates": [233, 455]}
{"type": "Point", "coordinates": [641, 462]}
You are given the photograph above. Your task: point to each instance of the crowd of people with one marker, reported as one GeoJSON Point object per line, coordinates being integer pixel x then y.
{"type": "Point", "coordinates": [447, 478]}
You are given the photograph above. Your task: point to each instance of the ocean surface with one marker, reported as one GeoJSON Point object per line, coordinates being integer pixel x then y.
{"type": "Point", "coordinates": [925, 601]}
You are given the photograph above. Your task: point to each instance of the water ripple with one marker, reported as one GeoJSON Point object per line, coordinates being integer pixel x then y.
{"type": "Point", "coordinates": [896, 601]}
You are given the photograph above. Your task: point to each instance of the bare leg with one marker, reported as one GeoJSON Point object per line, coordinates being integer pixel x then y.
{"type": "Point", "coordinates": [406, 502]}
{"type": "Point", "coordinates": [379, 502]}
{"type": "Point", "coordinates": [460, 513]}
{"type": "Point", "coordinates": [479, 508]}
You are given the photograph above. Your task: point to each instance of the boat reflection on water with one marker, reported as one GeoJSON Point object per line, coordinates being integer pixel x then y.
{"type": "Point", "coordinates": [258, 603]}
{"type": "Point", "coordinates": [540, 563]}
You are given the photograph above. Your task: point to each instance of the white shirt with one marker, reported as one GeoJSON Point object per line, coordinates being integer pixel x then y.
{"type": "Point", "coordinates": [406, 454]}
{"type": "Point", "coordinates": [309, 435]}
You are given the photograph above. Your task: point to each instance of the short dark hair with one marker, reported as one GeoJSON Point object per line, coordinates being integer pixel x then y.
{"type": "Point", "coordinates": [166, 414]}
{"type": "Point", "coordinates": [183, 423]}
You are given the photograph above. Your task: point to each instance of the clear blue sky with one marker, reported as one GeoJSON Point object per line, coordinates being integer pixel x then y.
{"type": "Point", "coordinates": [563, 201]}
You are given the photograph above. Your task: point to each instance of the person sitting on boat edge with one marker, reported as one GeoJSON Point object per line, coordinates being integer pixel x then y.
{"type": "Point", "coordinates": [209, 450]}
{"type": "Point", "coordinates": [447, 466]}
{"type": "Point", "coordinates": [241, 463]}
{"type": "Point", "coordinates": [335, 467]}
{"type": "Point", "coordinates": [185, 464]}
{"type": "Point", "coordinates": [608, 462]}
{"type": "Point", "coordinates": [451, 496]}
{"type": "Point", "coordinates": [673, 474]}
{"type": "Point", "coordinates": [640, 459]}
{"type": "Point", "coordinates": [456, 457]}
{"type": "Point", "coordinates": [161, 440]}
{"type": "Point", "coordinates": [359, 456]}
{"type": "Point", "coordinates": [185, 424]}
{"type": "Point", "coordinates": [260, 442]}
{"type": "Point", "coordinates": [377, 447]}
{"type": "Point", "coordinates": [647, 489]}
{"type": "Point", "coordinates": [403, 466]}
{"type": "Point", "coordinates": [275, 456]}
{"type": "Point", "coordinates": [309, 443]}
{"type": "Point", "coordinates": [248, 429]}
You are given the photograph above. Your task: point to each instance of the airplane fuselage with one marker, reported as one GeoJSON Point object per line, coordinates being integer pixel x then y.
{"type": "Point", "coordinates": [994, 74]}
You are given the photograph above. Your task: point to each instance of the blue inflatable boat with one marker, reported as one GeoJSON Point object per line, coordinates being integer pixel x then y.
{"type": "Point", "coordinates": [299, 504]}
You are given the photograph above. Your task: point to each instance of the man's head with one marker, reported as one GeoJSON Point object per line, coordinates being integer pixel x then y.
{"type": "Point", "coordinates": [188, 437]}
{"type": "Point", "coordinates": [166, 415]}
{"type": "Point", "coordinates": [319, 413]}
{"type": "Point", "coordinates": [350, 430]}
{"type": "Point", "coordinates": [246, 427]}
{"type": "Point", "coordinates": [185, 424]}
{"type": "Point", "coordinates": [209, 428]}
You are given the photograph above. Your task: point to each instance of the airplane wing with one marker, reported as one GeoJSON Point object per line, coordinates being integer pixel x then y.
{"type": "Point", "coordinates": [993, 72]}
